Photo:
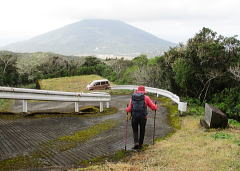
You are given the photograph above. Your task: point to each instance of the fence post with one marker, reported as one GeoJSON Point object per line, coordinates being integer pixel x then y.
{"type": "Point", "coordinates": [24, 103]}
{"type": "Point", "coordinates": [107, 105]}
{"type": "Point", "coordinates": [76, 107]}
{"type": "Point", "coordinates": [101, 106]}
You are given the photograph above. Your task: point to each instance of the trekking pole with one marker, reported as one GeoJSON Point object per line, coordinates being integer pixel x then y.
{"type": "Point", "coordinates": [126, 127]}
{"type": "Point", "coordinates": [154, 124]}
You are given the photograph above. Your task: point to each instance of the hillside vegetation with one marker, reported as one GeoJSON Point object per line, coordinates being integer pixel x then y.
{"type": "Point", "coordinates": [204, 70]}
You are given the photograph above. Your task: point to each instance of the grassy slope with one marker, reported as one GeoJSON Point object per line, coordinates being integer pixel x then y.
{"type": "Point", "coordinates": [190, 148]}
{"type": "Point", "coordinates": [73, 84]}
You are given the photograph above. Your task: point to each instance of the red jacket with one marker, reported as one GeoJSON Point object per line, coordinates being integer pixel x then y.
{"type": "Point", "coordinates": [148, 102]}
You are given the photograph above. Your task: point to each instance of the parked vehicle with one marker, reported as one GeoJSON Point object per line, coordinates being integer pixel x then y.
{"type": "Point", "coordinates": [99, 85]}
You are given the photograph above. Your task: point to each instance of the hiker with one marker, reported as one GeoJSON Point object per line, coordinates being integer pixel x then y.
{"type": "Point", "coordinates": [138, 108]}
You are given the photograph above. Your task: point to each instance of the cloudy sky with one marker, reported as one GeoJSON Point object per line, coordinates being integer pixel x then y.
{"type": "Point", "coordinates": [173, 20]}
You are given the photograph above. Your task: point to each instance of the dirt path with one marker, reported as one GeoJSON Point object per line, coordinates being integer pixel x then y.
{"type": "Point", "coordinates": [22, 136]}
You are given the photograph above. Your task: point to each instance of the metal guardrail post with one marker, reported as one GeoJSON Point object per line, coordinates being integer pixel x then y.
{"type": "Point", "coordinates": [182, 107]}
{"type": "Point", "coordinates": [76, 107]}
{"type": "Point", "coordinates": [107, 105]}
{"type": "Point", "coordinates": [101, 106]}
{"type": "Point", "coordinates": [25, 108]}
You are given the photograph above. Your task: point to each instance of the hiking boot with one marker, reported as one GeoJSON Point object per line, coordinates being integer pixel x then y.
{"type": "Point", "coordinates": [136, 146]}
{"type": "Point", "coordinates": [140, 146]}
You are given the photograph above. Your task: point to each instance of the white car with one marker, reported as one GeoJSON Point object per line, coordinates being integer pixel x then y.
{"type": "Point", "coordinates": [99, 85]}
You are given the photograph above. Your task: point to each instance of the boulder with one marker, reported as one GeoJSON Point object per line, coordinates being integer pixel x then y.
{"type": "Point", "coordinates": [214, 118]}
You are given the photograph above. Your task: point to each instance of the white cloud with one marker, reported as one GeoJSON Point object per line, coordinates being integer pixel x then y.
{"type": "Point", "coordinates": [174, 20]}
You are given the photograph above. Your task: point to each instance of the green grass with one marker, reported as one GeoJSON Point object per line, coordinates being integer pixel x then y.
{"type": "Point", "coordinates": [233, 123]}
{"type": "Point", "coordinates": [173, 117]}
{"type": "Point", "coordinates": [5, 104]}
{"type": "Point", "coordinates": [194, 107]}
{"type": "Point", "coordinates": [19, 162]}
{"type": "Point", "coordinates": [237, 142]}
{"type": "Point", "coordinates": [221, 135]}
{"type": "Point", "coordinates": [70, 141]}
{"type": "Point", "coordinates": [172, 109]}
{"type": "Point", "coordinates": [195, 110]}
{"type": "Point", "coordinates": [2, 103]}
{"type": "Point", "coordinates": [120, 92]}
{"type": "Point", "coordinates": [29, 86]}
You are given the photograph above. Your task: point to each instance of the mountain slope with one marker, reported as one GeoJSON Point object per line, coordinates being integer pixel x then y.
{"type": "Point", "coordinates": [92, 37]}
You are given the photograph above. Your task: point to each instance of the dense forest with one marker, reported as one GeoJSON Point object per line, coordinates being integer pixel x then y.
{"type": "Point", "coordinates": [205, 69]}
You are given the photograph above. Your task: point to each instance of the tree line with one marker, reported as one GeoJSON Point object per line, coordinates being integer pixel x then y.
{"type": "Point", "coordinates": [206, 68]}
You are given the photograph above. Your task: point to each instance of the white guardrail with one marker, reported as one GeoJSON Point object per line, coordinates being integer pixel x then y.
{"type": "Point", "coordinates": [182, 106]}
{"type": "Point", "coordinates": [45, 95]}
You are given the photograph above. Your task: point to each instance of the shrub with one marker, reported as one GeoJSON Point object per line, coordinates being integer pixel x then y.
{"type": "Point", "coordinates": [195, 106]}
{"type": "Point", "coordinates": [229, 102]}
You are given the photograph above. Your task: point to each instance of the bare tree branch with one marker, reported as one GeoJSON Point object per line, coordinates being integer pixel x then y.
{"type": "Point", "coordinates": [236, 72]}
{"type": "Point", "coordinates": [6, 60]}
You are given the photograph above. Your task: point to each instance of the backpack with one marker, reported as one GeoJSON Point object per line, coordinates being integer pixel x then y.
{"type": "Point", "coordinates": [139, 107]}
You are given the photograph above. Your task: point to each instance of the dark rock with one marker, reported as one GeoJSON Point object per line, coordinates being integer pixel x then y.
{"type": "Point", "coordinates": [214, 118]}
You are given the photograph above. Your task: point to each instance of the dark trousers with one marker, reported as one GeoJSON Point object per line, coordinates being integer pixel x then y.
{"type": "Point", "coordinates": [138, 122]}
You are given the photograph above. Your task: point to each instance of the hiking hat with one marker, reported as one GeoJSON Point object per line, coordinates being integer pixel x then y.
{"type": "Point", "coordinates": [141, 89]}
